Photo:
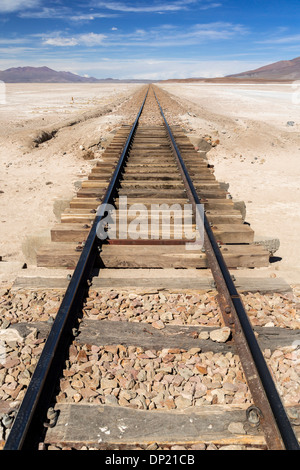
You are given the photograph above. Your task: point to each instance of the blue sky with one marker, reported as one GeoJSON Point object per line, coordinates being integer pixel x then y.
{"type": "Point", "coordinates": [154, 39]}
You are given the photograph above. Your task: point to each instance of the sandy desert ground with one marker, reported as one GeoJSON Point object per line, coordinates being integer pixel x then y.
{"type": "Point", "coordinates": [34, 179]}
{"type": "Point", "coordinates": [258, 154]}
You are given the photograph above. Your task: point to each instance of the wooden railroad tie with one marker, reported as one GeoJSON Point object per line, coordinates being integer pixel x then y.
{"type": "Point", "coordinates": [151, 177]}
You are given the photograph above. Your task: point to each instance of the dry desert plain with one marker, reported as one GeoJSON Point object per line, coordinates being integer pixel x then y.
{"type": "Point", "coordinates": [258, 155]}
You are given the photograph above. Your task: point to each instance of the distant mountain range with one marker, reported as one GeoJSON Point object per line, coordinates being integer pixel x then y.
{"type": "Point", "coordinates": [282, 70]}
{"type": "Point", "coordinates": [47, 75]}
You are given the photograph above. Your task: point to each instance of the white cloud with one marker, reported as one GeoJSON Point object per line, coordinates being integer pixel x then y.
{"type": "Point", "coordinates": [47, 12]}
{"type": "Point", "coordinates": [9, 41]}
{"type": "Point", "coordinates": [125, 7]}
{"type": "Point", "coordinates": [9, 6]}
{"type": "Point", "coordinates": [282, 40]}
{"type": "Point", "coordinates": [140, 32]}
{"type": "Point", "coordinates": [210, 5]}
{"type": "Point", "coordinates": [163, 36]}
{"type": "Point", "coordinates": [65, 13]}
{"type": "Point", "coordinates": [14, 56]}
{"type": "Point", "coordinates": [217, 30]}
{"type": "Point", "coordinates": [89, 39]}
{"type": "Point", "coordinates": [156, 7]}
{"type": "Point", "coordinates": [61, 42]}
{"type": "Point", "coordinates": [90, 16]}
{"type": "Point", "coordinates": [171, 36]}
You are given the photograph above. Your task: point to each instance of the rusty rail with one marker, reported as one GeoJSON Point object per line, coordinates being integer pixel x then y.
{"type": "Point", "coordinates": [269, 410]}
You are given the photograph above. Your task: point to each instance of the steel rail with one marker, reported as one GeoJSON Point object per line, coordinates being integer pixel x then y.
{"type": "Point", "coordinates": [29, 422]}
{"type": "Point", "coordinates": [279, 434]}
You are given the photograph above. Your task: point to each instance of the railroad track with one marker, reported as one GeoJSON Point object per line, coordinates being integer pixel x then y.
{"type": "Point", "coordinates": [149, 170]}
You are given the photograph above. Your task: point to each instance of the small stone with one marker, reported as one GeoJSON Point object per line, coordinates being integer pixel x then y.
{"type": "Point", "coordinates": [108, 383]}
{"type": "Point", "coordinates": [114, 295]}
{"type": "Point", "coordinates": [88, 393]}
{"type": "Point", "coordinates": [139, 402]}
{"type": "Point", "coordinates": [211, 447]}
{"type": "Point", "coordinates": [150, 354]}
{"type": "Point", "coordinates": [167, 316]}
{"type": "Point", "coordinates": [200, 390]}
{"type": "Point", "coordinates": [82, 356]}
{"type": "Point", "coordinates": [142, 376]}
{"type": "Point", "coordinates": [132, 296]}
{"type": "Point", "coordinates": [198, 446]}
{"type": "Point", "coordinates": [112, 349]}
{"type": "Point", "coordinates": [123, 401]}
{"type": "Point", "coordinates": [236, 428]}
{"type": "Point", "coordinates": [77, 384]}
{"type": "Point", "coordinates": [111, 400]}
{"type": "Point", "coordinates": [153, 446]}
{"type": "Point", "coordinates": [5, 324]}
{"type": "Point", "coordinates": [182, 402]}
{"type": "Point", "coordinates": [204, 335]}
{"type": "Point", "coordinates": [127, 394]}
{"type": "Point", "coordinates": [174, 351]}
{"type": "Point", "coordinates": [126, 383]}
{"type": "Point", "coordinates": [232, 447]}
{"type": "Point", "coordinates": [186, 373]}
{"type": "Point", "coordinates": [168, 358]}
{"type": "Point", "coordinates": [12, 362]}
{"type": "Point", "coordinates": [77, 397]}
{"type": "Point", "coordinates": [218, 396]}
{"type": "Point", "coordinates": [267, 353]}
{"type": "Point", "coordinates": [159, 325]}
{"type": "Point", "coordinates": [169, 403]}
{"type": "Point", "coordinates": [201, 369]}
{"type": "Point", "coordinates": [221, 335]}
{"type": "Point", "coordinates": [177, 380]}
{"type": "Point", "coordinates": [276, 354]}
{"type": "Point", "coordinates": [194, 351]}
